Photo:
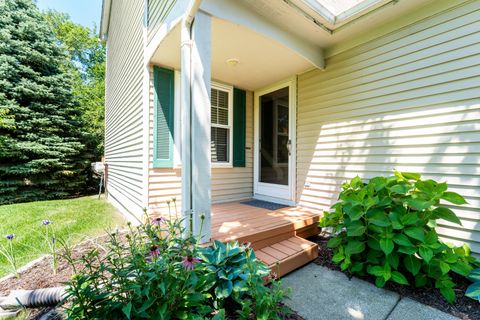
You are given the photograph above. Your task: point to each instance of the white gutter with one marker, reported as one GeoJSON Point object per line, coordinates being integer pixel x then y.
{"type": "Point", "coordinates": [105, 19]}
{"type": "Point", "coordinates": [315, 12]}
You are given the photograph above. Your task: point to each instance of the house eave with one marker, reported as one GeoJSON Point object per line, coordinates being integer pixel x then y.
{"type": "Point", "coordinates": [105, 19]}
{"type": "Point", "coordinates": [330, 21]}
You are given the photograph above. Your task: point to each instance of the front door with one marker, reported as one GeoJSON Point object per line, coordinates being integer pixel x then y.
{"type": "Point", "coordinates": [274, 143]}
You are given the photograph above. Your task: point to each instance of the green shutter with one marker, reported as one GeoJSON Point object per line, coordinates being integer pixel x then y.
{"type": "Point", "coordinates": [239, 127]}
{"type": "Point", "coordinates": [163, 95]}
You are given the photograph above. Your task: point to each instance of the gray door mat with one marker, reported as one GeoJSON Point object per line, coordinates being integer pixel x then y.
{"type": "Point", "coordinates": [264, 204]}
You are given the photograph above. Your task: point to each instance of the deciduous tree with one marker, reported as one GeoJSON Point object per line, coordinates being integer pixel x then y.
{"type": "Point", "coordinates": [86, 64]}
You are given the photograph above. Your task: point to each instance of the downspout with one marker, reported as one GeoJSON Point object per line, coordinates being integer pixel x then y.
{"type": "Point", "coordinates": [188, 21]}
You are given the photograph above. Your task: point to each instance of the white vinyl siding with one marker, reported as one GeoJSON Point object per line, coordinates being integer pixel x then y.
{"type": "Point", "coordinates": [409, 100]}
{"type": "Point", "coordinates": [123, 105]}
{"type": "Point", "coordinates": [158, 11]}
{"type": "Point", "coordinates": [228, 184]}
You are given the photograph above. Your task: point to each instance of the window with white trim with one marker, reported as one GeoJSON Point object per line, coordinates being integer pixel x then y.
{"type": "Point", "coordinates": [221, 124]}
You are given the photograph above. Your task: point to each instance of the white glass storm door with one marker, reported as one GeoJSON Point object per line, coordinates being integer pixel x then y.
{"type": "Point", "coordinates": [274, 168]}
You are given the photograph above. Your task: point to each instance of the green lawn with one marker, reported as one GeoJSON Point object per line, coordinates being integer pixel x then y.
{"type": "Point", "coordinates": [72, 219]}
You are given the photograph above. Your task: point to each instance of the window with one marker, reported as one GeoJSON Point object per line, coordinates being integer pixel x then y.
{"type": "Point", "coordinates": [221, 122]}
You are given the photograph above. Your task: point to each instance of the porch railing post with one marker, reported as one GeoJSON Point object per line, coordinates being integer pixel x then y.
{"type": "Point", "coordinates": [196, 159]}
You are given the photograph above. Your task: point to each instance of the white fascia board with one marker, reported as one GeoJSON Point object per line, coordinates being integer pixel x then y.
{"type": "Point", "coordinates": [317, 7]}
{"type": "Point", "coordinates": [105, 18]}
{"type": "Point", "coordinates": [361, 8]}
{"type": "Point", "coordinates": [331, 21]}
{"type": "Point", "coordinates": [173, 19]}
{"type": "Point", "coordinates": [234, 11]}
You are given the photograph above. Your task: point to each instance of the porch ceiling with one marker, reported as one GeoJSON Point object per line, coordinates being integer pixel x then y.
{"type": "Point", "coordinates": [261, 60]}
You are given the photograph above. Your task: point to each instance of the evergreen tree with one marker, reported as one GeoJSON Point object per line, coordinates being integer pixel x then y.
{"type": "Point", "coordinates": [41, 146]}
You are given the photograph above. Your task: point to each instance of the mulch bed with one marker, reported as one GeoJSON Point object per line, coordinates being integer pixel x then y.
{"type": "Point", "coordinates": [464, 307]}
{"type": "Point", "coordinates": [40, 275]}
{"type": "Point", "coordinates": [289, 313]}
{"type": "Point", "coordinates": [292, 315]}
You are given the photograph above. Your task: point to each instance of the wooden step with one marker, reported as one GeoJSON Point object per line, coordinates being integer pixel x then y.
{"type": "Point", "coordinates": [287, 255]}
{"type": "Point", "coordinates": [243, 223]}
{"type": "Point", "coordinates": [308, 231]}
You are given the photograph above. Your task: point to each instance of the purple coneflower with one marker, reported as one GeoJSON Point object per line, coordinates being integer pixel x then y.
{"type": "Point", "coordinates": [154, 251]}
{"type": "Point", "coordinates": [158, 221]}
{"type": "Point", "coordinates": [189, 261]}
{"type": "Point", "coordinates": [46, 222]}
{"type": "Point", "coordinates": [10, 236]}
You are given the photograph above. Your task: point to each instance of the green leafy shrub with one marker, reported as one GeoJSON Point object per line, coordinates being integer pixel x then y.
{"type": "Point", "coordinates": [237, 274]}
{"type": "Point", "coordinates": [386, 228]}
{"type": "Point", "coordinates": [229, 265]}
{"type": "Point", "coordinates": [156, 272]}
{"type": "Point", "coordinates": [473, 291]}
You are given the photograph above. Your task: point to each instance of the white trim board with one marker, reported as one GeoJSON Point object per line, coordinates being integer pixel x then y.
{"type": "Point", "coordinates": [229, 89]}
{"type": "Point", "coordinates": [286, 194]}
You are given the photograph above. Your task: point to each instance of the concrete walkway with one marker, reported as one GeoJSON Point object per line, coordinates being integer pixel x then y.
{"type": "Point", "coordinates": [319, 293]}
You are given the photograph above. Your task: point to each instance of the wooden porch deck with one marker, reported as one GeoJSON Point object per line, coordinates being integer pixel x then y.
{"type": "Point", "coordinates": [277, 236]}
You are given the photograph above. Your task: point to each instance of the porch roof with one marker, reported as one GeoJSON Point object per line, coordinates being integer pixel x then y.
{"type": "Point", "coordinates": [259, 42]}
{"type": "Point", "coordinates": [240, 56]}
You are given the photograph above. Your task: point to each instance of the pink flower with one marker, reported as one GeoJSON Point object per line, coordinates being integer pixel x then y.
{"type": "Point", "coordinates": [189, 261]}
{"type": "Point", "coordinates": [271, 276]}
{"type": "Point", "coordinates": [158, 221]}
{"type": "Point", "coordinates": [154, 251]}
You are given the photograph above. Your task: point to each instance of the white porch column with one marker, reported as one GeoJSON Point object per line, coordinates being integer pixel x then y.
{"type": "Point", "coordinates": [196, 160]}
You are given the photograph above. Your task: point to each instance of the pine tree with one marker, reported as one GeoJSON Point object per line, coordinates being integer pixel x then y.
{"type": "Point", "coordinates": [41, 145]}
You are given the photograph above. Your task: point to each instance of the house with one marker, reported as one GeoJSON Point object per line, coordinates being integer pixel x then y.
{"type": "Point", "coordinates": [215, 102]}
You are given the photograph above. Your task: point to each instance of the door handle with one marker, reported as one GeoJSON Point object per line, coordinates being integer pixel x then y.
{"type": "Point", "coordinates": [289, 147]}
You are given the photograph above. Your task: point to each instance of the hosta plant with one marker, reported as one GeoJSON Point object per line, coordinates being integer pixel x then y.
{"type": "Point", "coordinates": [229, 264]}
{"type": "Point", "coordinates": [240, 278]}
{"type": "Point", "coordinates": [473, 291]}
{"type": "Point", "coordinates": [386, 228]}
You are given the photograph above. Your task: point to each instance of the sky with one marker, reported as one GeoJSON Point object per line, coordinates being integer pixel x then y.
{"type": "Point", "coordinates": [84, 12]}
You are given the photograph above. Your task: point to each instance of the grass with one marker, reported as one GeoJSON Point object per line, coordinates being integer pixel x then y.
{"type": "Point", "coordinates": [72, 220]}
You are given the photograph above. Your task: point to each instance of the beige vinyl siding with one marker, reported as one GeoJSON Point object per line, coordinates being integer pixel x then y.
{"type": "Point", "coordinates": [163, 183]}
{"type": "Point", "coordinates": [408, 100]}
{"type": "Point", "coordinates": [123, 105]}
{"type": "Point", "coordinates": [228, 184]}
